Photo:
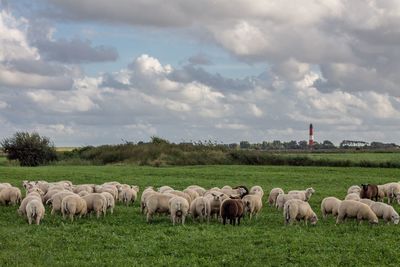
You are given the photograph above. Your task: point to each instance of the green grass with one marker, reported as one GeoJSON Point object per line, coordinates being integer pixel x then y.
{"type": "Point", "coordinates": [124, 238]}
{"type": "Point", "coordinates": [352, 156]}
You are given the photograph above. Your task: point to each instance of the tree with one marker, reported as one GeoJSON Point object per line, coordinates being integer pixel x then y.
{"type": "Point", "coordinates": [244, 144]}
{"type": "Point", "coordinates": [29, 149]}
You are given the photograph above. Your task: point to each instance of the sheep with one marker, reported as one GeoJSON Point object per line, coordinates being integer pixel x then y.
{"type": "Point", "coordinates": [297, 209]}
{"type": "Point", "coordinates": [56, 200]}
{"type": "Point", "coordinates": [366, 201]}
{"type": "Point", "coordinates": [26, 200]}
{"type": "Point", "coordinates": [214, 200]}
{"type": "Point", "coordinates": [10, 195]}
{"type": "Point", "coordinates": [164, 189]}
{"type": "Point", "coordinates": [199, 208]}
{"type": "Point", "coordinates": [110, 201]}
{"type": "Point", "coordinates": [330, 205]}
{"type": "Point", "coordinates": [304, 195]}
{"type": "Point", "coordinates": [356, 209]}
{"type": "Point", "coordinates": [157, 203]}
{"type": "Point", "coordinates": [227, 187]}
{"type": "Point", "coordinates": [73, 205]}
{"type": "Point", "coordinates": [112, 189]}
{"type": "Point", "coordinates": [96, 202]}
{"type": "Point", "coordinates": [385, 211]}
{"type": "Point", "coordinates": [5, 185]}
{"type": "Point", "coordinates": [257, 190]}
{"type": "Point", "coordinates": [353, 196]}
{"type": "Point", "coordinates": [35, 211]}
{"type": "Point", "coordinates": [200, 190]}
{"type": "Point", "coordinates": [354, 189]}
{"type": "Point", "coordinates": [146, 193]}
{"type": "Point", "coordinates": [178, 208]}
{"type": "Point", "coordinates": [239, 191]}
{"type": "Point", "coordinates": [282, 198]}
{"type": "Point", "coordinates": [369, 191]}
{"type": "Point", "coordinates": [181, 194]}
{"type": "Point", "coordinates": [128, 195]}
{"type": "Point", "coordinates": [37, 190]}
{"type": "Point", "coordinates": [83, 193]}
{"type": "Point", "coordinates": [50, 193]}
{"type": "Point", "coordinates": [252, 204]}
{"type": "Point", "coordinates": [83, 187]}
{"type": "Point", "coordinates": [273, 194]}
{"type": "Point", "coordinates": [393, 189]}
{"type": "Point", "coordinates": [192, 193]}
{"type": "Point", "coordinates": [231, 209]}
{"type": "Point", "coordinates": [381, 193]}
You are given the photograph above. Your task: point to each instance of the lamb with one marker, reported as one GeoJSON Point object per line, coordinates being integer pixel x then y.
{"type": "Point", "coordinates": [165, 189]}
{"type": "Point", "coordinates": [128, 195]}
{"type": "Point", "coordinates": [10, 195]}
{"type": "Point", "coordinates": [393, 189]}
{"type": "Point", "coordinates": [214, 200]}
{"type": "Point", "coordinates": [192, 193]}
{"type": "Point", "coordinates": [73, 205]}
{"type": "Point", "coordinates": [157, 203]}
{"type": "Point", "coordinates": [26, 200]}
{"type": "Point", "coordinates": [56, 200]}
{"type": "Point", "coordinates": [199, 208]}
{"type": "Point", "coordinates": [232, 209]}
{"type": "Point", "coordinates": [369, 191]}
{"type": "Point", "coordinates": [330, 205]}
{"type": "Point", "coordinates": [257, 190]}
{"type": "Point", "coordinates": [96, 202]}
{"type": "Point", "coordinates": [252, 204]}
{"type": "Point", "coordinates": [110, 201]}
{"type": "Point", "coordinates": [354, 189]}
{"type": "Point", "coordinates": [273, 194]}
{"type": "Point", "coordinates": [353, 196]}
{"type": "Point", "coordinates": [282, 198]}
{"type": "Point", "coordinates": [146, 193]}
{"type": "Point", "coordinates": [200, 190]}
{"type": "Point", "coordinates": [297, 209]}
{"type": "Point", "coordinates": [355, 209]}
{"type": "Point", "coordinates": [178, 208]}
{"type": "Point", "coordinates": [35, 211]}
{"type": "Point", "coordinates": [304, 195]}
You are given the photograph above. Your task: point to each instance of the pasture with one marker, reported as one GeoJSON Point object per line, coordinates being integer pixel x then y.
{"type": "Point", "coordinates": [125, 238]}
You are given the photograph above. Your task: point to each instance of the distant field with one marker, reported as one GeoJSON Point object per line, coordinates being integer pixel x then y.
{"type": "Point", "coordinates": [125, 238]}
{"type": "Point", "coordinates": [64, 149]}
{"type": "Point", "coordinates": [356, 156]}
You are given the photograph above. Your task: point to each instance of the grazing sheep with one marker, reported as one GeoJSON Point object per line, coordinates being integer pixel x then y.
{"type": "Point", "coordinates": [112, 189]}
{"type": "Point", "coordinates": [192, 193]}
{"type": "Point", "coordinates": [237, 191]}
{"type": "Point", "coordinates": [355, 209]}
{"type": "Point", "coordinates": [369, 191]}
{"type": "Point", "coordinates": [282, 198]}
{"type": "Point", "coordinates": [273, 194]}
{"type": "Point", "coordinates": [26, 200]}
{"type": "Point", "coordinates": [200, 190]}
{"type": "Point", "coordinates": [10, 195]}
{"type": "Point", "coordinates": [51, 193]}
{"type": "Point", "coordinates": [232, 209]}
{"type": "Point", "coordinates": [199, 208]}
{"type": "Point", "coordinates": [128, 195]}
{"type": "Point", "coordinates": [5, 185]}
{"type": "Point", "coordinates": [366, 201]}
{"type": "Point", "coordinates": [214, 200]}
{"type": "Point", "coordinates": [353, 196]}
{"type": "Point", "coordinates": [83, 187]}
{"type": "Point", "coordinates": [354, 189]}
{"type": "Point", "coordinates": [304, 195]}
{"type": "Point", "coordinates": [146, 193]}
{"type": "Point", "coordinates": [393, 189]}
{"type": "Point", "coordinates": [252, 204]}
{"type": "Point", "coordinates": [110, 201]}
{"type": "Point", "coordinates": [178, 208]}
{"type": "Point", "coordinates": [97, 203]}
{"type": "Point", "coordinates": [56, 200]}
{"type": "Point", "coordinates": [385, 211]}
{"type": "Point", "coordinates": [257, 190]}
{"type": "Point", "coordinates": [381, 193]}
{"type": "Point", "coordinates": [297, 209]}
{"type": "Point", "coordinates": [157, 203]}
{"type": "Point", "coordinates": [165, 189]}
{"type": "Point", "coordinates": [330, 205]}
{"type": "Point", "coordinates": [35, 211]}
{"type": "Point", "coordinates": [181, 194]}
{"type": "Point", "coordinates": [74, 205]}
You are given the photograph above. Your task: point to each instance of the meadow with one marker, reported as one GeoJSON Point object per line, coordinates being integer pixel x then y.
{"type": "Point", "coordinates": [125, 238]}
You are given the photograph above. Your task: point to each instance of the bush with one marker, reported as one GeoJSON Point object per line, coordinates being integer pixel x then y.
{"type": "Point", "coordinates": [29, 149]}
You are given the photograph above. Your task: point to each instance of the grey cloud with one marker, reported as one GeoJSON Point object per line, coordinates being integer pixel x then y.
{"type": "Point", "coordinates": [200, 59]}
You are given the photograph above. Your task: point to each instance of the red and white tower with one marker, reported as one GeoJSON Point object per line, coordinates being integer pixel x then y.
{"type": "Point", "coordinates": [311, 140]}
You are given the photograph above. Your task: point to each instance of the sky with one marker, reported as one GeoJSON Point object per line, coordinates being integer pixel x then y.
{"type": "Point", "coordinates": [93, 72]}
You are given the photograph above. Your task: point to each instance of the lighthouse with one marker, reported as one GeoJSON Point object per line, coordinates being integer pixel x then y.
{"type": "Point", "coordinates": [311, 139]}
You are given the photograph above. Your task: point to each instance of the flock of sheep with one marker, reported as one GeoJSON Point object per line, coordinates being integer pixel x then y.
{"type": "Point", "coordinates": [226, 203]}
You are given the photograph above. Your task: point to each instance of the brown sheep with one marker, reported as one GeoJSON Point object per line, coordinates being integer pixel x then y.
{"type": "Point", "coordinates": [232, 209]}
{"type": "Point", "coordinates": [369, 191]}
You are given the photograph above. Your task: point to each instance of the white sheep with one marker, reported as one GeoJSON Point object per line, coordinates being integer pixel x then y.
{"type": "Point", "coordinates": [381, 192]}
{"type": "Point", "coordinates": [10, 195]}
{"type": "Point", "coordinates": [165, 189]}
{"type": "Point", "coordinates": [214, 200]}
{"type": "Point", "coordinates": [273, 194]}
{"type": "Point", "coordinates": [330, 205]}
{"type": "Point", "coordinates": [157, 203]}
{"type": "Point", "coordinates": [199, 208]}
{"type": "Point", "coordinates": [256, 190]}
{"type": "Point", "coordinates": [304, 195]}
{"type": "Point", "coordinates": [97, 203]}
{"type": "Point", "coordinates": [353, 196]}
{"type": "Point", "coordinates": [110, 201]}
{"type": "Point", "coordinates": [83, 187]}
{"type": "Point", "coordinates": [31, 196]}
{"type": "Point", "coordinates": [227, 187]}
{"type": "Point", "coordinates": [282, 198]}
{"type": "Point", "coordinates": [73, 205]}
{"type": "Point", "coordinates": [192, 193]}
{"type": "Point", "coordinates": [200, 190]}
{"type": "Point", "coordinates": [296, 209]}
{"type": "Point", "coordinates": [382, 210]}
{"type": "Point", "coordinates": [146, 193]}
{"type": "Point", "coordinates": [35, 211]}
{"type": "Point", "coordinates": [354, 189]}
{"type": "Point", "coordinates": [393, 189]}
{"type": "Point", "coordinates": [181, 194]}
{"type": "Point", "coordinates": [128, 195]}
{"type": "Point", "coordinates": [178, 208]}
{"type": "Point", "coordinates": [356, 209]}
{"type": "Point", "coordinates": [110, 188]}
{"type": "Point", "coordinates": [252, 204]}
{"type": "Point", "coordinates": [56, 200]}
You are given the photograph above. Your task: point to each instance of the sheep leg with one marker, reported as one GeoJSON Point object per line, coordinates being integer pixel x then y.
{"type": "Point", "coordinates": [30, 220]}
{"type": "Point", "coordinates": [37, 220]}
{"type": "Point", "coordinates": [98, 214]}
{"type": "Point", "coordinates": [183, 220]}
{"type": "Point", "coordinates": [71, 217]}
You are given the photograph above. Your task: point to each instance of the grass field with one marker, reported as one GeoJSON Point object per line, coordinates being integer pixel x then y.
{"type": "Point", "coordinates": [352, 156]}
{"type": "Point", "coordinates": [125, 238]}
